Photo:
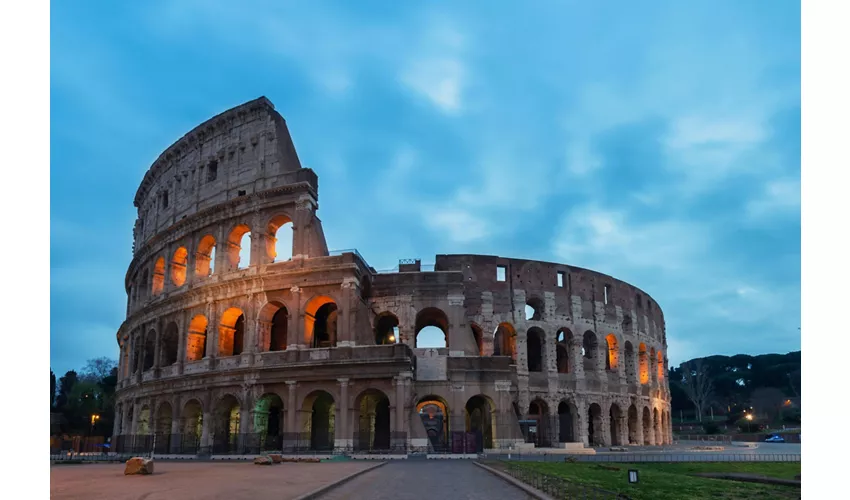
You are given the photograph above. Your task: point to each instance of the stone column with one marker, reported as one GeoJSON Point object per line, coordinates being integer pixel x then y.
{"type": "Point", "coordinates": [580, 423]}
{"type": "Point", "coordinates": [639, 430]}
{"type": "Point", "coordinates": [576, 361]}
{"type": "Point", "coordinates": [206, 428]}
{"type": "Point", "coordinates": [344, 327]}
{"type": "Point", "coordinates": [399, 404]}
{"type": "Point", "coordinates": [342, 437]}
{"type": "Point", "coordinates": [606, 428]}
{"type": "Point", "coordinates": [211, 346]}
{"type": "Point", "coordinates": [291, 409]}
{"type": "Point", "coordinates": [623, 423]}
{"type": "Point", "coordinates": [295, 335]}
{"type": "Point", "coordinates": [116, 424]}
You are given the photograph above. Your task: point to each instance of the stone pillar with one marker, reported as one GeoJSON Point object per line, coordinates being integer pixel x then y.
{"type": "Point", "coordinates": [137, 410]}
{"type": "Point", "coordinates": [291, 408]}
{"type": "Point", "coordinates": [606, 428]}
{"type": "Point", "coordinates": [304, 208]}
{"type": "Point", "coordinates": [342, 437]}
{"type": "Point", "coordinates": [295, 335]}
{"type": "Point", "coordinates": [399, 404]}
{"type": "Point", "coordinates": [116, 424]}
{"type": "Point", "coordinates": [576, 361]}
{"type": "Point", "coordinates": [639, 430]}
{"type": "Point", "coordinates": [580, 423]}
{"type": "Point", "coordinates": [550, 351]}
{"type": "Point", "coordinates": [206, 430]}
{"type": "Point", "coordinates": [212, 331]}
{"type": "Point", "coordinates": [345, 327]}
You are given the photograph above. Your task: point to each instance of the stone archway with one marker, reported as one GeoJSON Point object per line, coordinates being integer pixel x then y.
{"type": "Point", "coordinates": [373, 421]}
{"type": "Point", "coordinates": [480, 420]}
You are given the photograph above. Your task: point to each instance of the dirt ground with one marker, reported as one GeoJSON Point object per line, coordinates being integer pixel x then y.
{"type": "Point", "coordinates": [195, 480]}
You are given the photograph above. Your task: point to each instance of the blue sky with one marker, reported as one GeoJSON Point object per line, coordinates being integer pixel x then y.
{"type": "Point", "coordinates": [658, 143]}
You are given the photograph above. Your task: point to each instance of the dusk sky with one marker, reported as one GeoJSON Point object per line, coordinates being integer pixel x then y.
{"type": "Point", "coordinates": [658, 142]}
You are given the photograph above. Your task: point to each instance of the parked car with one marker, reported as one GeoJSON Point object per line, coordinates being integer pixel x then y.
{"type": "Point", "coordinates": [774, 438]}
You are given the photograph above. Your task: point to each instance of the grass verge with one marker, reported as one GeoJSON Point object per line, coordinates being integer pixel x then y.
{"type": "Point", "coordinates": [660, 481]}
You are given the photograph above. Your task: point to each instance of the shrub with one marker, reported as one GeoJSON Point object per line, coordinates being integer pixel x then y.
{"type": "Point", "coordinates": [745, 425]}
{"type": "Point", "coordinates": [710, 428]}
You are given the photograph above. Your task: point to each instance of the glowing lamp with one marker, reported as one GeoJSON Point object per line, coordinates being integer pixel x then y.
{"type": "Point", "coordinates": [391, 338]}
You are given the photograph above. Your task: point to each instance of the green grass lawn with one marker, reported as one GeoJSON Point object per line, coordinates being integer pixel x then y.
{"type": "Point", "coordinates": [660, 481]}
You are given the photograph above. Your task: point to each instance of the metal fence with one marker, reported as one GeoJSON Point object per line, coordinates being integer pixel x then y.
{"type": "Point", "coordinates": [379, 443]}
{"type": "Point", "coordinates": [557, 487]}
{"type": "Point", "coordinates": [711, 438]}
{"type": "Point", "coordinates": [647, 457]}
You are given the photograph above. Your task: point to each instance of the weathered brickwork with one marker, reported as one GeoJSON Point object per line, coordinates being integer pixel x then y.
{"type": "Point", "coordinates": [323, 346]}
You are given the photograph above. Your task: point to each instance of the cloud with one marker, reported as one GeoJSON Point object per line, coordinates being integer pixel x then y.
{"type": "Point", "coordinates": [780, 197]}
{"type": "Point", "coordinates": [459, 224]}
{"type": "Point", "coordinates": [440, 80]}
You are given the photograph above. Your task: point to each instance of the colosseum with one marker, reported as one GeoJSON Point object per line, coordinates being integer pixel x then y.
{"type": "Point", "coordinates": [234, 345]}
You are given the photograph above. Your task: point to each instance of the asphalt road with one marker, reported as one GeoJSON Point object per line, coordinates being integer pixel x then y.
{"type": "Point", "coordinates": [418, 479]}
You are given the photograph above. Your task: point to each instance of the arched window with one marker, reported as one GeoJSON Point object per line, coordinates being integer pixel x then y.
{"type": "Point", "coordinates": [504, 341]}
{"type": "Point", "coordinates": [279, 239]}
{"type": "Point", "coordinates": [320, 328]}
{"type": "Point", "coordinates": [612, 360]}
{"type": "Point", "coordinates": [432, 327]}
{"type": "Point", "coordinates": [386, 329]}
{"type": "Point", "coordinates": [158, 276]}
{"type": "Point", "coordinates": [643, 361]}
{"type": "Point", "coordinates": [239, 247]}
{"type": "Point", "coordinates": [196, 345]}
{"type": "Point", "coordinates": [231, 332]}
{"type": "Point", "coordinates": [534, 309]}
{"type": "Point", "coordinates": [168, 347]}
{"type": "Point", "coordinates": [534, 341]}
{"type": "Point", "coordinates": [178, 266]}
{"type": "Point", "coordinates": [205, 257]}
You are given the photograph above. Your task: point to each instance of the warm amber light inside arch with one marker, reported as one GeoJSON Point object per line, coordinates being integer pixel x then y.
{"type": "Point", "coordinates": [178, 266]}
{"type": "Point", "coordinates": [613, 351]}
{"type": "Point", "coordinates": [158, 276]}
{"type": "Point", "coordinates": [204, 265]}
{"type": "Point", "coordinates": [644, 364]}
{"type": "Point", "coordinates": [276, 224]}
{"type": "Point", "coordinates": [197, 338]}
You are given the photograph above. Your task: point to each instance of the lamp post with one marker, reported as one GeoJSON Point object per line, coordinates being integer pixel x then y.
{"type": "Point", "coordinates": [749, 418]}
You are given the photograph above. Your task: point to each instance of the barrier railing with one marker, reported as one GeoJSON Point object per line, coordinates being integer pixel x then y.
{"type": "Point", "coordinates": [645, 457]}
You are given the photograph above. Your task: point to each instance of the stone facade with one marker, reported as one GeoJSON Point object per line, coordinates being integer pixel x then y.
{"type": "Point", "coordinates": [321, 348]}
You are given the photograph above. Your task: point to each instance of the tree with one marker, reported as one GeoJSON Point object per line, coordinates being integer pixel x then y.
{"type": "Point", "coordinates": [767, 403]}
{"type": "Point", "coordinates": [697, 385]}
{"type": "Point", "coordinates": [52, 388]}
{"type": "Point", "coordinates": [66, 385]}
{"type": "Point", "coordinates": [97, 369]}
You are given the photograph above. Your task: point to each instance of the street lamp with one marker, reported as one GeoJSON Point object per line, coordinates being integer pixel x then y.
{"type": "Point", "coordinates": [94, 418]}
{"type": "Point", "coordinates": [749, 417]}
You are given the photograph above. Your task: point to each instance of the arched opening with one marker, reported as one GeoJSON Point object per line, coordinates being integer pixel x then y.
{"type": "Point", "coordinates": [535, 338]}
{"type": "Point", "coordinates": [660, 363]}
{"type": "Point", "coordinates": [565, 423]}
{"type": "Point", "coordinates": [504, 341]}
{"type": "Point", "coordinates": [663, 427]}
{"type": "Point", "coordinates": [612, 360]}
{"type": "Point", "coordinates": [386, 329]}
{"type": "Point", "coordinates": [656, 426]}
{"type": "Point", "coordinates": [320, 410]}
{"type": "Point", "coordinates": [137, 352]}
{"type": "Point", "coordinates": [320, 322]}
{"type": "Point", "coordinates": [562, 350]}
{"type": "Point", "coordinates": [534, 308]}
{"type": "Point", "coordinates": [480, 418]}
{"type": "Point", "coordinates": [268, 421]}
{"type": "Point", "coordinates": [633, 425]}
{"type": "Point", "coordinates": [150, 350]}
{"type": "Point", "coordinates": [231, 332]}
{"type": "Point", "coordinates": [594, 425]}
{"type": "Point", "coordinates": [196, 343]}
{"type": "Point", "coordinates": [647, 426]}
{"type": "Point", "coordinates": [373, 421]}
{"type": "Point", "coordinates": [643, 361]}
{"type": "Point", "coordinates": [432, 327]}
{"type": "Point", "coordinates": [239, 247]}
{"type": "Point", "coordinates": [144, 425]}
{"type": "Point", "coordinates": [434, 411]}
{"type": "Point", "coordinates": [162, 428]}
{"type": "Point", "coordinates": [178, 266]}
{"type": "Point", "coordinates": [158, 276]}
{"type": "Point", "coordinates": [478, 337]}
{"type": "Point", "coordinates": [191, 425]}
{"type": "Point", "coordinates": [614, 416]}
{"type": "Point", "coordinates": [272, 323]}
{"type": "Point", "coordinates": [125, 355]}
{"type": "Point", "coordinates": [630, 363]}
{"type": "Point", "coordinates": [205, 257]}
{"type": "Point", "coordinates": [539, 434]}
{"type": "Point", "coordinates": [279, 239]}
{"type": "Point", "coordinates": [651, 362]}
{"type": "Point", "coordinates": [168, 353]}
{"type": "Point", "coordinates": [589, 346]}
{"type": "Point", "coordinates": [226, 425]}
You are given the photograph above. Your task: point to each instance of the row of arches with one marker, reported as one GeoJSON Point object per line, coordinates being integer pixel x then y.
{"type": "Point", "coordinates": [605, 425]}
{"type": "Point", "coordinates": [174, 268]}
{"type": "Point", "coordinates": [316, 426]}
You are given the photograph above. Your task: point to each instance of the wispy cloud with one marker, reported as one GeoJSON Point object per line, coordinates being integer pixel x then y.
{"type": "Point", "coordinates": [779, 197]}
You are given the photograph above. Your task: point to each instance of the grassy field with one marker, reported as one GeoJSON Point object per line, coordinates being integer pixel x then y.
{"type": "Point", "coordinates": [659, 481]}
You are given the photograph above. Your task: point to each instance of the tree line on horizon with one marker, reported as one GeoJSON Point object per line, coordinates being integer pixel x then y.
{"type": "Point", "coordinates": [766, 386]}
{"type": "Point", "coordinates": [83, 403]}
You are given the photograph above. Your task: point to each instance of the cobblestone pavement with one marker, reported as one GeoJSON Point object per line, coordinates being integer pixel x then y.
{"type": "Point", "coordinates": [191, 480]}
{"type": "Point", "coordinates": [418, 479]}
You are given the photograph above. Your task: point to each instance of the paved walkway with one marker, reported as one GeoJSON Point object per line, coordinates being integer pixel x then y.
{"type": "Point", "coordinates": [190, 480]}
{"type": "Point", "coordinates": [418, 479]}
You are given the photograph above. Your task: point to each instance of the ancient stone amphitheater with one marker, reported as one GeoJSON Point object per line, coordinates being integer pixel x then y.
{"type": "Point", "coordinates": [229, 347]}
